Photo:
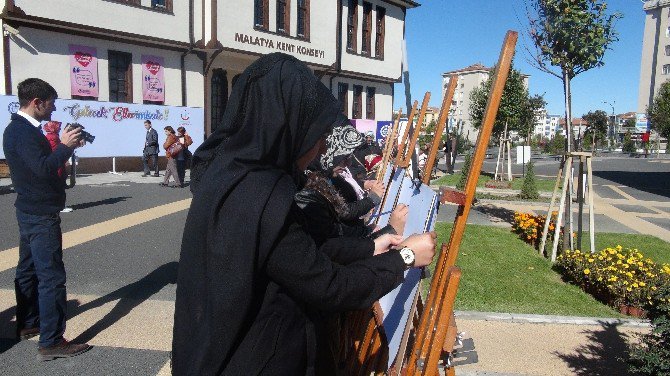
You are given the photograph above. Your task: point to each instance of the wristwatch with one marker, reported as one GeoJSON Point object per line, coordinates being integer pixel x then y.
{"type": "Point", "coordinates": [407, 256]}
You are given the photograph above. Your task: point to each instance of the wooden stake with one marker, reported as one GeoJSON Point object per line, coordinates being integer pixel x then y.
{"type": "Point", "coordinates": [417, 130]}
{"type": "Point", "coordinates": [561, 208]}
{"type": "Point", "coordinates": [592, 229]}
{"type": "Point", "coordinates": [441, 123]}
{"type": "Point", "coordinates": [403, 144]}
{"type": "Point", "coordinates": [550, 212]}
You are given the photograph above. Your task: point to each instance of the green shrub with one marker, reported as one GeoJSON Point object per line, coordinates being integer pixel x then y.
{"type": "Point", "coordinates": [465, 170]}
{"type": "Point", "coordinates": [628, 144]}
{"type": "Point", "coordinates": [529, 187]}
{"type": "Point", "coordinates": [652, 355]}
{"type": "Point", "coordinates": [556, 145]}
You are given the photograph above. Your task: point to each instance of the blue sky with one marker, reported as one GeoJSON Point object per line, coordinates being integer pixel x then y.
{"type": "Point", "coordinates": [444, 35]}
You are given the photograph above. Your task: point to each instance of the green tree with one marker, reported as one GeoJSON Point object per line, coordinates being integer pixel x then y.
{"type": "Point", "coordinates": [629, 123]}
{"type": "Point", "coordinates": [659, 112]}
{"type": "Point", "coordinates": [597, 125]}
{"type": "Point", "coordinates": [572, 35]}
{"type": "Point", "coordinates": [628, 144]}
{"type": "Point", "coordinates": [465, 170]}
{"type": "Point", "coordinates": [516, 108]}
{"type": "Point", "coordinates": [556, 145]}
{"type": "Point", "coordinates": [428, 134]}
{"type": "Point", "coordinates": [529, 187]}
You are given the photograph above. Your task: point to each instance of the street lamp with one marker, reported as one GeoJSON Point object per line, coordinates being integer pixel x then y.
{"type": "Point", "coordinates": [612, 131]}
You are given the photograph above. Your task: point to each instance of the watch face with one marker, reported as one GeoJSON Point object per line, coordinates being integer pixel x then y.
{"type": "Point", "coordinates": [407, 256]}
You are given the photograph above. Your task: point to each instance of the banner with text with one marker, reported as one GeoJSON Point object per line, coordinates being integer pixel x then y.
{"type": "Point", "coordinates": [118, 127]}
{"type": "Point", "coordinates": [83, 71]}
{"type": "Point", "coordinates": [153, 84]}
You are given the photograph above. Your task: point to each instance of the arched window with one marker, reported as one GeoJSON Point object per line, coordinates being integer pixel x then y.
{"type": "Point", "coordinates": [219, 96]}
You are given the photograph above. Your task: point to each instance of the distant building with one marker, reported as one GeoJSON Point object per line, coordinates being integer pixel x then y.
{"type": "Point", "coordinates": [579, 126]}
{"type": "Point", "coordinates": [546, 124]}
{"type": "Point", "coordinates": [655, 64]}
{"type": "Point", "coordinates": [469, 78]}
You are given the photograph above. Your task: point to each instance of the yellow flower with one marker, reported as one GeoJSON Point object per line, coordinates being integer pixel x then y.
{"type": "Point", "coordinates": [587, 271]}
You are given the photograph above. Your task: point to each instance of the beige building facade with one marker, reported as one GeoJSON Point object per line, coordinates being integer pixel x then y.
{"type": "Point", "coordinates": [655, 65]}
{"type": "Point", "coordinates": [353, 46]}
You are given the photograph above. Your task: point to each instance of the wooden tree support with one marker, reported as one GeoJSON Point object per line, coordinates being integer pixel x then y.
{"type": "Point", "coordinates": [434, 322]}
{"type": "Point", "coordinates": [564, 172]}
{"type": "Point", "coordinates": [441, 123]}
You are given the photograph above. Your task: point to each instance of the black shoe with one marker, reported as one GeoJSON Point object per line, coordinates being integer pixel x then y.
{"type": "Point", "coordinates": [156, 175]}
{"type": "Point", "coordinates": [28, 333]}
{"type": "Point", "coordinates": [163, 185]}
{"type": "Point", "coordinates": [144, 175]}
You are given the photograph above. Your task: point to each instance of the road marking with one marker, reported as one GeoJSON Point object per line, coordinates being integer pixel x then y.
{"type": "Point", "coordinates": [166, 370]}
{"type": "Point", "coordinates": [10, 257]}
{"type": "Point", "coordinates": [621, 192]}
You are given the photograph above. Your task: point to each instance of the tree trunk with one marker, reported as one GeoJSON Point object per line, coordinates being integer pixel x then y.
{"type": "Point", "coordinates": [567, 228]}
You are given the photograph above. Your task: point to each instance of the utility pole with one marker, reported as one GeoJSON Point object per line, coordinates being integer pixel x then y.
{"type": "Point", "coordinates": [611, 131]}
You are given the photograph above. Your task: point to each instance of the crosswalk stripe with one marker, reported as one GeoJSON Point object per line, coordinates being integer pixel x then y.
{"type": "Point", "coordinates": [10, 257]}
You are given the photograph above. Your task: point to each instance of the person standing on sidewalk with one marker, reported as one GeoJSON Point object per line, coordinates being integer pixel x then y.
{"type": "Point", "coordinates": [171, 169]}
{"type": "Point", "coordinates": [150, 149]}
{"type": "Point", "coordinates": [40, 196]}
{"type": "Point", "coordinates": [185, 140]}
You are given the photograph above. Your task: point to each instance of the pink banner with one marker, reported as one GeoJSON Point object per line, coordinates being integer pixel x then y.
{"type": "Point", "coordinates": [83, 71]}
{"type": "Point", "coordinates": [153, 84]}
{"type": "Point", "coordinates": [365, 126]}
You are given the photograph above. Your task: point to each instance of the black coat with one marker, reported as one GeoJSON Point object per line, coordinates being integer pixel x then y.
{"type": "Point", "coordinates": [250, 280]}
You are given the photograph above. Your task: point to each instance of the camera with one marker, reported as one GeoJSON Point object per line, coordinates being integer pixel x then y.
{"type": "Point", "coordinates": [89, 138]}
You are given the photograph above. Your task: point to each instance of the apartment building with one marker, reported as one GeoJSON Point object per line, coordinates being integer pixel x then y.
{"type": "Point", "coordinates": [201, 47]}
{"type": "Point", "coordinates": [655, 64]}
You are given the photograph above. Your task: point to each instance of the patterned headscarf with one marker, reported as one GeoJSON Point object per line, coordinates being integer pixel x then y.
{"type": "Point", "coordinates": [341, 143]}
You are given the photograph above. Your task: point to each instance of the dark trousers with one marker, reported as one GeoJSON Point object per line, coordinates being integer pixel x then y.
{"type": "Point", "coordinates": [145, 162]}
{"type": "Point", "coordinates": [181, 169]}
{"type": "Point", "coordinates": [40, 277]}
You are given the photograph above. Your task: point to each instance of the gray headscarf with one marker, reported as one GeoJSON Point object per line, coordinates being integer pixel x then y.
{"type": "Point", "coordinates": [341, 143]}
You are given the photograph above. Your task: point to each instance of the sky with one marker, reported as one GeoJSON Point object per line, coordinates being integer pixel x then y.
{"type": "Point", "coordinates": [445, 35]}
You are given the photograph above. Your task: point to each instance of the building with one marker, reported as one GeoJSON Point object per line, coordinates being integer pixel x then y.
{"type": "Point", "coordinates": [469, 78]}
{"type": "Point", "coordinates": [546, 124]}
{"type": "Point", "coordinates": [203, 46]}
{"type": "Point", "coordinates": [655, 64]}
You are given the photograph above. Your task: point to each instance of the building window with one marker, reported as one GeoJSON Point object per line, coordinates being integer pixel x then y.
{"type": "Point", "coordinates": [303, 18]}
{"type": "Point", "coordinates": [261, 14]}
{"type": "Point", "coordinates": [120, 76]}
{"type": "Point", "coordinates": [370, 103]}
{"type": "Point", "coordinates": [379, 41]}
{"type": "Point", "coordinates": [219, 96]}
{"type": "Point", "coordinates": [357, 105]}
{"type": "Point", "coordinates": [667, 50]}
{"type": "Point", "coordinates": [343, 97]}
{"type": "Point", "coordinates": [283, 19]}
{"type": "Point", "coordinates": [162, 4]}
{"type": "Point", "coordinates": [666, 69]}
{"type": "Point", "coordinates": [352, 25]}
{"type": "Point", "coordinates": [367, 25]}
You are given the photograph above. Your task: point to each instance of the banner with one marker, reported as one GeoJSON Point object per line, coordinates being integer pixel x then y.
{"type": "Point", "coordinates": [642, 124]}
{"type": "Point", "coordinates": [83, 71]}
{"type": "Point", "coordinates": [383, 130]}
{"type": "Point", "coordinates": [118, 127]}
{"type": "Point", "coordinates": [153, 84]}
{"type": "Point", "coordinates": [365, 126]}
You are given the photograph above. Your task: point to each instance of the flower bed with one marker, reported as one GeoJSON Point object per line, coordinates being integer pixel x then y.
{"type": "Point", "coordinates": [529, 228]}
{"type": "Point", "coordinates": [498, 184]}
{"type": "Point", "coordinates": [622, 278]}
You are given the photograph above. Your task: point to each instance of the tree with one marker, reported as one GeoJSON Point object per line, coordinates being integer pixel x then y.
{"type": "Point", "coordinates": [465, 171]}
{"type": "Point", "coordinates": [556, 145]}
{"type": "Point", "coordinates": [628, 143]}
{"type": "Point", "coordinates": [529, 187]}
{"type": "Point", "coordinates": [629, 123]}
{"type": "Point", "coordinates": [659, 113]}
{"type": "Point", "coordinates": [428, 134]}
{"type": "Point", "coordinates": [597, 125]}
{"type": "Point", "coordinates": [516, 109]}
{"type": "Point", "coordinates": [572, 35]}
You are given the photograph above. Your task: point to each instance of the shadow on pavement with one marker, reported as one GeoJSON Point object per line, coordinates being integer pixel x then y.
{"type": "Point", "coordinates": [657, 183]}
{"type": "Point", "coordinates": [129, 297]}
{"type": "Point", "coordinates": [496, 213]}
{"type": "Point", "coordinates": [603, 355]}
{"type": "Point", "coordinates": [8, 325]}
{"type": "Point", "coordinates": [107, 201]}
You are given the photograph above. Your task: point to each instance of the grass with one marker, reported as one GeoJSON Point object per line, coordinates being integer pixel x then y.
{"type": "Point", "coordinates": [503, 274]}
{"type": "Point", "coordinates": [546, 185]}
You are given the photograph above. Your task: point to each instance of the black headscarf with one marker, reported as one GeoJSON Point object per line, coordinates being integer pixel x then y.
{"type": "Point", "coordinates": [243, 182]}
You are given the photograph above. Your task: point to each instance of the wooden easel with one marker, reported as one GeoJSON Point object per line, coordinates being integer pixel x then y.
{"type": "Point", "coordinates": [504, 152]}
{"type": "Point", "coordinates": [437, 324]}
{"type": "Point", "coordinates": [565, 171]}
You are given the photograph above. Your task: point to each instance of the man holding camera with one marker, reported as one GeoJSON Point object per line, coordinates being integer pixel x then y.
{"type": "Point", "coordinates": [150, 149]}
{"type": "Point", "coordinates": [40, 273]}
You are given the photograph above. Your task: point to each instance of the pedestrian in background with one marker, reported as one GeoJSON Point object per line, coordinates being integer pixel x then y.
{"type": "Point", "coordinates": [40, 196]}
{"type": "Point", "coordinates": [172, 150]}
{"type": "Point", "coordinates": [185, 141]}
{"type": "Point", "coordinates": [150, 149]}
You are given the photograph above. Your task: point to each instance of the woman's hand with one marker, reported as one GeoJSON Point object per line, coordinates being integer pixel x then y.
{"type": "Point", "coordinates": [385, 242]}
{"type": "Point", "coordinates": [423, 246]}
{"type": "Point", "coordinates": [399, 218]}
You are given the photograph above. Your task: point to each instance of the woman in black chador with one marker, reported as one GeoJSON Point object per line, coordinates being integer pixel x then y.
{"type": "Point", "coordinates": [252, 286]}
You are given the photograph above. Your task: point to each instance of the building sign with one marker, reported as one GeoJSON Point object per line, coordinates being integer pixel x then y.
{"type": "Point", "coordinates": [153, 83]}
{"type": "Point", "coordinates": [642, 124]}
{"type": "Point", "coordinates": [279, 45]}
{"type": "Point", "coordinates": [118, 127]}
{"type": "Point", "coordinates": [83, 71]}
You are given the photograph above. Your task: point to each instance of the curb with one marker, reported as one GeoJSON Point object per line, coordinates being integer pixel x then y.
{"type": "Point", "coordinates": [549, 319]}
